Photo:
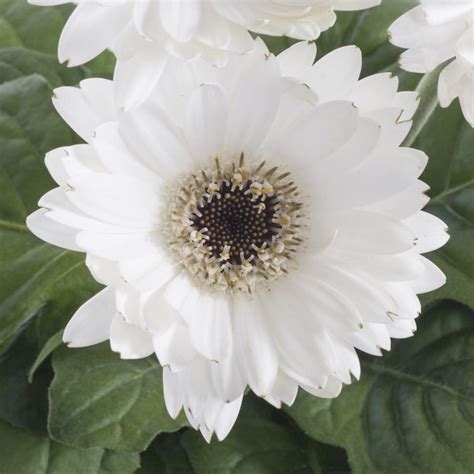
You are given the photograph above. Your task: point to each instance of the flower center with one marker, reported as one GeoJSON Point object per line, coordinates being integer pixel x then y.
{"type": "Point", "coordinates": [234, 226]}
{"type": "Point", "coordinates": [237, 220]}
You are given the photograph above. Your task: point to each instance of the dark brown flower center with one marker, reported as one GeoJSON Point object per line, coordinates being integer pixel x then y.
{"type": "Point", "coordinates": [236, 219]}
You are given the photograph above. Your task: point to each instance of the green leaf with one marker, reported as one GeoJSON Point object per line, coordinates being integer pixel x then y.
{"type": "Point", "coordinates": [8, 36]}
{"type": "Point", "coordinates": [24, 453]}
{"type": "Point", "coordinates": [30, 26]}
{"type": "Point", "coordinates": [277, 44]}
{"type": "Point", "coordinates": [256, 446]}
{"type": "Point", "coordinates": [165, 455]}
{"type": "Point", "coordinates": [51, 345]}
{"type": "Point", "coordinates": [23, 404]}
{"type": "Point", "coordinates": [413, 409]}
{"type": "Point", "coordinates": [19, 62]}
{"type": "Point", "coordinates": [99, 400]}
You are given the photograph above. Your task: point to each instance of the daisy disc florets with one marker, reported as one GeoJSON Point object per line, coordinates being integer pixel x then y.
{"type": "Point", "coordinates": [235, 225]}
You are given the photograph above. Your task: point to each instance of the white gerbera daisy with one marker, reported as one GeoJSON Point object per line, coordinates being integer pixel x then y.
{"type": "Point", "coordinates": [435, 32]}
{"type": "Point", "coordinates": [253, 225]}
{"type": "Point", "coordinates": [211, 29]}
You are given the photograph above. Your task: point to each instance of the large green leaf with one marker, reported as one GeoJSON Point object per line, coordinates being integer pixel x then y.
{"type": "Point", "coordinates": [99, 400]}
{"type": "Point", "coordinates": [413, 410]}
{"type": "Point", "coordinates": [24, 453]}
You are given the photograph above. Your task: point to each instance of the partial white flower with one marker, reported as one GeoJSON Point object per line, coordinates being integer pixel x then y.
{"type": "Point", "coordinates": [435, 32]}
{"type": "Point", "coordinates": [186, 28]}
{"type": "Point", "coordinates": [253, 224]}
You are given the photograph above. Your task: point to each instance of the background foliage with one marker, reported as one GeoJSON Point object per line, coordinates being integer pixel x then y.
{"type": "Point", "coordinates": [85, 411]}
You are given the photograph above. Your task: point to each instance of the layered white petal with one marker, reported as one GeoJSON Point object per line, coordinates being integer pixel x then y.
{"type": "Point", "coordinates": [213, 30]}
{"type": "Point", "coordinates": [433, 33]}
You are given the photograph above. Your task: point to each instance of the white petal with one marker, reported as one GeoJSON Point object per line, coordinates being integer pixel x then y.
{"type": "Point", "coordinates": [129, 340]}
{"type": "Point", "coordinates": [450, 83]}
{"type": "Point", "coordinates": [90, 20]}
{"type": "Point", "coordinates": [174, 348]}
{"type": "Point", "coordinates": [180, 19]}
{"type": "Point", "coordinates": [136, 77]}
{"type": "Point", "coordinates": [284, 390]}
{"type": "Point", "coordinates": [87, 107]}
{"type": "Point", "coordinates": [466, 98]}
{"type": "Point", "coordinates": [313, 136]}
{"type": "Point", "coordinates": [227, 379]}
{"type": "Point", "coordinates": [336, 74]}
{"type": "Point", "coordinates": [431, 232]}
{"type": "Point", "coordinates": [297, 60]}
{"type": "Point", "coordinates": [66, 162]}
{"type": "Point", "coordinates": [405, 203]}
{"type": "Point", "coordinates": [331, 389]}
{"type": "Point", "coordinates": [370, 233]}
{"type": "Point", "coordinates": [206, 122]}
{"type": "Point", "coordinates": [51, 231]}
{"type": "Point", "coordinates": [257, 354]}
{"type": "Point", "coordinates": [118, 159]}
{"type": "Point", "coordinates": [437, 12]}
{"type": "Point", "coordinates": [375, 92]}
{"type": "Point", "coordinates": [227, 418]}
{"type": "Point", "coordinates": [172, 392]}
{"type": "Point", "coordinates": [431, 279]}
{"type": "Point", "coordinates": [104, 271]}
{"type": "Point", "coordinates": [210, 326]}
{"type": "Point", "coordinates": [155, 140]}
{"type": "Point", "coordinates": [206, 313]}
{"type": "Point", "coordinates": [91, 323]}
{"type": "Point", "coordinates": [120, 200]}
{"type": "Point", "coordinates": [253, 107]}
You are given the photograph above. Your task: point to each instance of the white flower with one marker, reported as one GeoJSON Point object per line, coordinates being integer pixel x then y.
{"type": "Point", "coordinates": [437, 31]}
{"type": "Point", "coordinates": [253, 225]}
{"type": "Point", "coordinates": [211, 29]}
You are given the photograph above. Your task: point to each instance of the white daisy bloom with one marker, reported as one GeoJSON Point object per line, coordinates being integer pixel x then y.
{"type": "Point", "coordinates": [253, 224]}
{"type": "Point", "coordinates": [435, 32]}
{"type": "Point", "coordinates": [210, 29]}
